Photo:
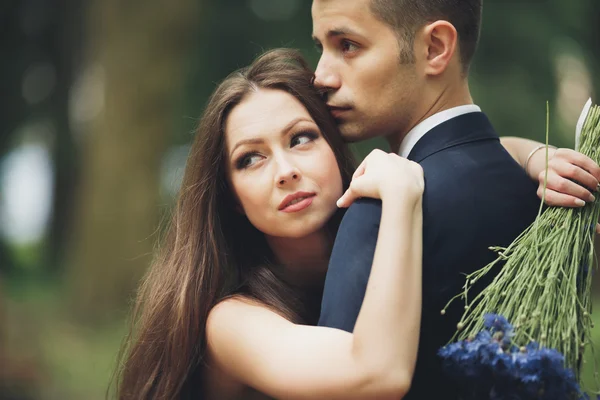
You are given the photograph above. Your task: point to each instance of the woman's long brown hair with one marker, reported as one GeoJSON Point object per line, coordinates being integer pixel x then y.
{"type": "Point", "coordinates": [211, 252]}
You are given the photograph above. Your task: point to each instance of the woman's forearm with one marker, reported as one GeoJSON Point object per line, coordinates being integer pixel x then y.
{"type": "Point", "coordinates": [387, 329]}
{"type": "Point", "coordinates": [530, 155]}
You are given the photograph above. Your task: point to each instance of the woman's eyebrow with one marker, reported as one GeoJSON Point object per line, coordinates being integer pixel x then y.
{"type": "Point", "coordinates": [295, 122]}
{"type": "Point", "coordinates": [246, 141]}
{"type": "Point", "coordinates": [285, 130]}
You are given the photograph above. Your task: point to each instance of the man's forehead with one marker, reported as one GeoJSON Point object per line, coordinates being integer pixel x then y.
{"type": "Point", "coordinates": [338, 17]}
{"type": "Point", "coordinates": [320, 6]}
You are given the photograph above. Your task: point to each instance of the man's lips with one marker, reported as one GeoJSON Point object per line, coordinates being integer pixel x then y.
{"type": "Point", "coordinates": [296, 202]}
{"type": "Point", "coordinates": [337, 111]}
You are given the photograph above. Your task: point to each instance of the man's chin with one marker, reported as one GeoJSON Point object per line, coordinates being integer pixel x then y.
{"type": "Point", "coordinates": [351, 132]}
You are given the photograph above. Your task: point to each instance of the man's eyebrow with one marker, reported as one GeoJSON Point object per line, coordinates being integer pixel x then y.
{"type": "Point", "coordinates": [335, 32]}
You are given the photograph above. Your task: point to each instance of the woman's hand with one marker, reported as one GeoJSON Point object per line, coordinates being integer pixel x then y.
{"type": "Point", "coordinates": [382, 174]}
{"type": "Point", "coordinates": [572, 177]}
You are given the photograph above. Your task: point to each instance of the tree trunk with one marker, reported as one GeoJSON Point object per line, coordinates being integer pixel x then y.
{"type": "Point", "coordinates": [141, 48]}
{"type": "Point", "coordinates": [66, 52]}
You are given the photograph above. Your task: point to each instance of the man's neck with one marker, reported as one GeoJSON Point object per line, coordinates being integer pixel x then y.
{"type": "Point", "coordinates": [449, 97]}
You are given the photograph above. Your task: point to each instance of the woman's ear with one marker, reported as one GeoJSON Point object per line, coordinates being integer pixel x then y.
{"type": "Point", "coordinates": [440, 39]}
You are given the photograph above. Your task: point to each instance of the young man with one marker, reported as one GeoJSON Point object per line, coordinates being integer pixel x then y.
{"type": "Point", "coordinates": [399, 69]}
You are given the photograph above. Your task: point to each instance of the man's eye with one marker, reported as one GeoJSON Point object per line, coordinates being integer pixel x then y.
{"type": "Point", "coordinates": [247, 160]}
{"type": "Point", "coordinates": [348, 46]}
{"type": "Point", "coordinates": [302, 138]}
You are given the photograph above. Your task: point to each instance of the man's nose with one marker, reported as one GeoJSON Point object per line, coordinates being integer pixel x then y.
{"type": "Point", "coordinates": [326, 77]}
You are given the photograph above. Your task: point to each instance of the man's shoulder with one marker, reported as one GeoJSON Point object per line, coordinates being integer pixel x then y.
{"type": "Point", "coordinates": [363, 212]}
{"type": "Point", "coordinates": [463, 177]}
{"type": "Point", "coordinates": [466, 161]}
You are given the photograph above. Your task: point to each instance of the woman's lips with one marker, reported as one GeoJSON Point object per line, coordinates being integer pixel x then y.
{"type": "Point", "coordinates": [299, 205]}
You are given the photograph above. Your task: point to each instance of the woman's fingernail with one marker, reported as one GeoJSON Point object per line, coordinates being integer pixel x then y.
{"type": "Point", "coordinates": [579, 202]}
{"type": "Point", "coordinates": [592, 198]}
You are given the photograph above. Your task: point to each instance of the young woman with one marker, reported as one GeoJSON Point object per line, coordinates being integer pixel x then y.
{"type": "Point", "coordinates": [227, 309]}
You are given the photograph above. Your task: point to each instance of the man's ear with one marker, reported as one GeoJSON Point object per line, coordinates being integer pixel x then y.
{"type": "Point", "coordinates": [440, 39]}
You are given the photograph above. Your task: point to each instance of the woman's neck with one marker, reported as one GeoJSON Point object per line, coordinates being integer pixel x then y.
{"type": "Point", "coordinates": [305, 259]}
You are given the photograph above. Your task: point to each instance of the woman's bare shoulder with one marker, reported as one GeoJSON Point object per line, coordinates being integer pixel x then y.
{"type": "Point", "coordinates": [232, 306]}
{"type": "Point", "coordinates": [237, 314]}
{"type": "Point", "coordinates": [225, 321]}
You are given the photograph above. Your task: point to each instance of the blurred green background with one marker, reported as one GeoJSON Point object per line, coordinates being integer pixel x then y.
{"type": "Point", "coordinates": [99, 100]}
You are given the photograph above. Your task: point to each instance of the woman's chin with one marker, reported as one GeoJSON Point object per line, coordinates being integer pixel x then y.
{"type": "Point", "coordinates": [299, 230]}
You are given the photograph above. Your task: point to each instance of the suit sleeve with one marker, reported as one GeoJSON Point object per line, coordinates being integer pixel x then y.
{"type": "Point", "coordinates": [350, 265]}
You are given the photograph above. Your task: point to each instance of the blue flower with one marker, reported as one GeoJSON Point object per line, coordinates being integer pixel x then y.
{"type": "Point", "coordinates": [490, 367]}
{"type": "Point", "coordinates": [496, 323]}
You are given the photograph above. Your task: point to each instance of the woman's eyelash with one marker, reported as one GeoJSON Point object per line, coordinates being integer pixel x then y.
{"type": "Point", "coordinates": [311, 135]}
{"type": "Point", "coordinates": [242, 161]}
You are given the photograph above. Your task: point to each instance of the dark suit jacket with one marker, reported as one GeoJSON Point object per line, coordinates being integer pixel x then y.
{"type": "Point", "coordinates": [476, 196]}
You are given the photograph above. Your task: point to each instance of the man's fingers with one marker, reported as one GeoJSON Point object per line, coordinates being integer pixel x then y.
{"type": "Point", "coordinates": [554, 198]}
{"type": "Point", "coordinates": [598, 228]}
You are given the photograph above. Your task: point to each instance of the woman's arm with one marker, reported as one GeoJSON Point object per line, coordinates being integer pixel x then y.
{"type": "Point", "coordinates": [572, 176]}
{"type": "Point", "coordinates": [263, 350]}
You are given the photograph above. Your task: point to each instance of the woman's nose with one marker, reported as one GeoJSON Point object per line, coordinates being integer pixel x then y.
{"type": "Point", "coordinates": [287, 173]}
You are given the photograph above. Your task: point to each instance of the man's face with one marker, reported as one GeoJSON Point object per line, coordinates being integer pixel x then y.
{"type": "Point", "coordinates": [369, 92]}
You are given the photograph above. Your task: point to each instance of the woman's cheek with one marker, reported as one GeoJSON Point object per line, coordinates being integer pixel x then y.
{"type": "Point", "coordinates": [256, 199]}
{"type": "Point", "coordinates": [335, 176]}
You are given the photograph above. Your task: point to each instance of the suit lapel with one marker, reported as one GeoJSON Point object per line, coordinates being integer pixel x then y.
{"type": "Point", "coordinates": [466, 128]}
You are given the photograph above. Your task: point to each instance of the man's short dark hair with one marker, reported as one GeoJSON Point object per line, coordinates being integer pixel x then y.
{"type": "Point", "coordinates": [407, 16]}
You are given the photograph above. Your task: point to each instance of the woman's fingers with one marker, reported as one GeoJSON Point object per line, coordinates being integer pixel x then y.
{"type": "Point", "coordinates": [554, 198]}
{"type": "Point", "coordinates": [580, 160]}
{"type": "Point", "coordinates": [360, 186]}
{"type": "Point", "coordinates": [360, 170]}
{"type": "Point", "coordinates": [559, 183]}
{"type": "Point", "coordinates": [575, 172]}
{"type": "Point", "coordinates": [347, 198]}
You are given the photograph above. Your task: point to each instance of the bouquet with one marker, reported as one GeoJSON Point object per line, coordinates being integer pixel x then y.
{"type": "Point", "coordinates": [539, 304]}
{"type": "Point", "coordinates": [491, 366]}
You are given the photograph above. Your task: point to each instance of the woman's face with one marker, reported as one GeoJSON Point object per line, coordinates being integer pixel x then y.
{"type": "Point", "coordinates": [284, 175]}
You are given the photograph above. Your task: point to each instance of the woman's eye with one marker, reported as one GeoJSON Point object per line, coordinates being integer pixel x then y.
{"type": "Point", "coordinates": [302, 138]}
{"type": "Point", "coordinates": [248, 160]}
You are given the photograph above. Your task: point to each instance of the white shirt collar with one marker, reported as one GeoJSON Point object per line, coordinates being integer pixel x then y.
{"type": "Point", "coordinates": [416, 133]}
